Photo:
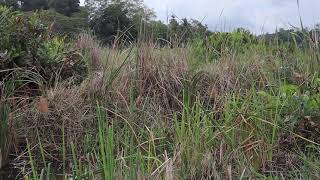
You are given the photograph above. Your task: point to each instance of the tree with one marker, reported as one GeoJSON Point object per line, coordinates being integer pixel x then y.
{"type": "Point", "coordinates": [11, 3]}
{"type": "Point", "coordinates": [158, 31]}
{"type": "Point", "coordinates": [112, 20]}
{"type": "Point", "coordinates": [95, 7]}
{"type": "Point", "coordinates": [68, 25]}
{"type": "Point", "coordinates": [173, 26]}
{"type": "Point", "coordinates": [29, 5]}
{"type": "Point", "coordinates": [199, 28]}
{"type": "Point", "coordinates": [108, 18]}
{"type": "Point", "coordinates": [134, 7]}
{"type": "Point", "coordinates": [186, 30]}
{"type": "Point", "coordinates": [66, 7]}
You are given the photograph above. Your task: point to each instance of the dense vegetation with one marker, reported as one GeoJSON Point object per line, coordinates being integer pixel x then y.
{"type": "Point", "coordinates": [107, 92]}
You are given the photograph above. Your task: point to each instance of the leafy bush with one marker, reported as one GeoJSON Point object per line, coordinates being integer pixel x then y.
{"type": "Point", "coordinates": [27, 42]}
{"type": "Point", "coordinates": [294, 102]}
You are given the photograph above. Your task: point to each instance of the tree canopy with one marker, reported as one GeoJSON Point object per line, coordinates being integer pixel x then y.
{"type": "Point", "coordinates": [66, 7]}
{"type": "Point", "coordinates": [113, 19]}
{"type": "Point", "coordinates": [110, 18]}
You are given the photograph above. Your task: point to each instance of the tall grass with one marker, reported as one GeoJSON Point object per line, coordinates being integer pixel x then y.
{"type": "Point", "coordinates": [147, 113]}
{"type": "Point", "coordinates": [238, 144]}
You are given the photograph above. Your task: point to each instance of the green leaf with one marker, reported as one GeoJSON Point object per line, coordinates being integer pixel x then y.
{"type": "Point", "coordinates": [289, 89]}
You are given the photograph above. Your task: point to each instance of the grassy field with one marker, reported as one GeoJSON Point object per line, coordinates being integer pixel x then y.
{"type": "Point", "coordinates": [164, 112]}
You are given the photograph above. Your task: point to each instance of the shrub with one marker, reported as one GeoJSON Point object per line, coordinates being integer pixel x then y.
{"type": "Point", "coordinates": [27, 41]}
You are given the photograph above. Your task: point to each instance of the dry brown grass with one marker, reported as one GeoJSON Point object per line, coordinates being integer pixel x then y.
{"type": "Point", "coordinates": [149, 88]}
{"type": "Point", "coordinates": [66, 110]}
{"type": "Point", "coordinates": [90, 47]}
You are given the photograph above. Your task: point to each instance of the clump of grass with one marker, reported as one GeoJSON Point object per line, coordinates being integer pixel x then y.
{"type": "Point", "coordinates": [92, 50]}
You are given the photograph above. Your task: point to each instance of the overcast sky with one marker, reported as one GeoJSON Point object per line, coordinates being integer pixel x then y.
{"type": "Point", "coordinates": [257, 15]}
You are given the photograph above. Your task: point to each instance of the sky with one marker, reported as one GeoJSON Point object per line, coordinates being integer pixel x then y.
{"type": "Point", "coordinates": [259, 16]}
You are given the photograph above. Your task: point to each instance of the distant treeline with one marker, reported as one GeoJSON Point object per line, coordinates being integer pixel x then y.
{"type": "Point", "coordinates": [295, 37]}
{"type": "Point", "coordinates": [132, 21]}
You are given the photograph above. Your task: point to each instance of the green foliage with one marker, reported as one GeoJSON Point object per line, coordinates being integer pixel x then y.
{"type": "Point", "coordinates": [29, 5]}
{"type": "Point", "coordinates": [68, 25]}
{"type": "Point", "coordinates": [221, 43]}
{"type": "Point", "coordinates": [51, 50]}
{"type": "Point", "coordinates": [113, 21]}
{"type": "Point", "coordinates": [27, 42]}
{"type": "Point", "coordinates": [118, 18]}
{"type": "Point", "coordinates": [66, 7]}
{"type": "Point", "coordinates": [21, 37]}
{"type": "Point", "coordinates": [294, 38]}
{"type": "Point", "coordinates": [10, 3]}
{"type": "Point", "coordinates": [293, 102]}
{"type": "Point", "coordinates": [95, 7]}
{"type": "Point", "coordinates": [158, 31]}
{"type": "Point", "coordinates": [184, 31]}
